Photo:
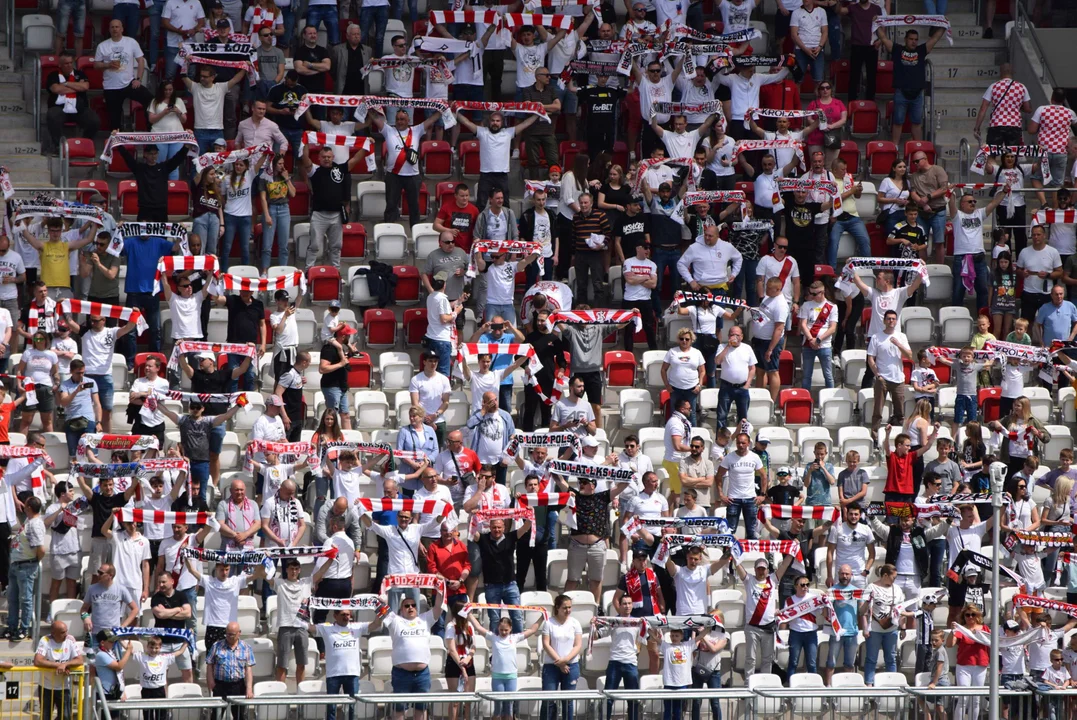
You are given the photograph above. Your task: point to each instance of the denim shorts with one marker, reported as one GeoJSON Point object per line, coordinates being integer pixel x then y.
{"type": "Point", "coordinates": [914, 108]}
{"type": "Point", "coordinates": [336, 399]}
{"type": "Point", "coordinates": [770, 364]}
{"type": "Point", "coordinates": [105, 390]}
{"type": "Point", "coordinates": [74, 10]}
{"type": "Point", "coordinates": [1057, 163]}
{"type": "Point", "coordinates": [216, 439]}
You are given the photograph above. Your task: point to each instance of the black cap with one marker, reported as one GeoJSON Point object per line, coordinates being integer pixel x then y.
{"type": "Point", "coordinates": [635, 200]}
{"type": "Point", "coordinates": [280, 295]}
{"type": "Point", "coordinates": [216, 5]}
{"type": "Point", "coordinates": [103, 636]}
{"type": "Point", "coordinates": [468, 28]}
{"type": "Point", "coordinates": [224, 22]}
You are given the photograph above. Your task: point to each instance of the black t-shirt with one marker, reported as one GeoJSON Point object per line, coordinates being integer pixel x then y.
{"type": "Point", "coordinates": [283, 97]}
{"type": "Point", "coordinates": [329, 188]}
{"type": "Point", "coordinates": [315, 54]}
{"type": "Point", "coordinates": [353, 81]}
{"type": "Point", "coordinates": [169, 603]}
{"type": "Point", "coordinates": [337, 378]}
{"type": "Point", "coordinates": [782, 494]}
{"type": "Point", "coordinates": [601, 103]}
{"type": "Point", "coordinates": [184, 504]}
{"type": "Point", "coordinates": [913, 233]}
{"type": "Point", "coordinates": [102, 507]}
{"type": "Point", "coordinates": [910, 68]}
{"type": "Point", "coordinates": [549, 348]}
{"type": "Point", "coordinates": [800, 223]}
{"type": "Point", "coordinates": [243, 319]}
{"type": "Point", "coordinates": [631, 230]}
{"type": "Point", "coordinates": [217, 381]}
{"type": "Point", "coordinates": [497, 558]}
{"type": "Point", "coordinates": [74, 76]}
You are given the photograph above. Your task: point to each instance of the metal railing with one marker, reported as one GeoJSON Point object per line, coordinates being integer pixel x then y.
{"type": "Point", "coordinates": [1024, 28]}
{"type": "Point", "coordinates": [964, 158]}
{"type": "Point", "coordinates": [25, 696]}
{"type": "Point", "coordinates": [35, 93]}
{"type": "Point", "coordinates": [929, 111]}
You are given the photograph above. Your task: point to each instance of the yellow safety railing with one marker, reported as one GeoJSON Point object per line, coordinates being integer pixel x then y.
{"type": "Point", "coordinates": [33, 693]}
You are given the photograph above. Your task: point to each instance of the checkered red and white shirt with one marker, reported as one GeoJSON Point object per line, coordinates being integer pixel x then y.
{"type": "Point", "coordinates": [1006, 97]}
{"type": "Point", "coordinates": [1054, 122]}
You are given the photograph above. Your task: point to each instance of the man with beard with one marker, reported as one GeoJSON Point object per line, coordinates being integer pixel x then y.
{"type": "Point", "coordinates": [551, 353]}
{"type": "Point", "coordinates": [490, 430]}
{"type": "Point", "coordinates": [573, 413]}
{"type": "Point", "coordinates": [283, 100]}
{"type": "Point", "coordinates": [495, 151]}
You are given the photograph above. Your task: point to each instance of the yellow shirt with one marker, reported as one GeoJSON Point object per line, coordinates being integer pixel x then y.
{"type": "Point", "coordinates": [848, 205]}
{"type": "Point", "coordinates": [55, 266]}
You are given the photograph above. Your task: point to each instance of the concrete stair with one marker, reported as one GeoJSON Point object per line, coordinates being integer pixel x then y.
{"type": "Point", "coordinates": [20, 152]}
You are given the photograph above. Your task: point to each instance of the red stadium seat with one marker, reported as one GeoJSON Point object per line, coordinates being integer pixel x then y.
{"type": "Point", "coordinates": [436, 159]}
{"type": "Point", "coordinates": [444, 192]}
{"type": "Point", "coordinates": [407, 284]}
{"type": "Point", "coordinates": [360, 371]}
{"type": "Point", "coordinates": [864, 119]}
{"type": "Point", "coordinates": [747, 186]}
{"type": "Point", "coordinates": [414, 326]}
{"type": "Point", "coordinates": [299, 206]}
{"type": "Point", "coordinates": [907, 127]}
{"type": "Point", "coordinates": [96, 77]}
{"type": "Point", "coordinates": [786, 367]}
{"type": "Point", "coordinates": [469, 158]}
{"type": "Point", "coordinates": [989, 401]}
{"type": "Point", "coordinates": [796, 404]}
{"type": "Point", "coordinates": [620, 368]}
{"type": "Point", "coordinates": [379, 328]}
{"type": "Point", "coordinates": [906, 367]}
{"type": "Point", "coordinates": [140, 362]}
{"type": "Point", "coordinates": [942, 372]}
{"type": "Point", "coordinates": [822, 271]}
{"type": "Point", "coordinates": [127, 194]}
{"type": "Point", "coordinates": [354, 241]}
{"type": "Point", "coordinates": [865, 319]}
{"type": "Point", "coordinates": [713, 27]}
{"type": "Point", "coordinates": [82, 153]}
{"type": "Point", "coordinates": [97, 104]}
{"type": "Point", "coordinates": [323, 282]}
{"type": "Point", "coordinates": [424, 202]}
{"type": "Point", "coordinates": [839, 76]}
{"type": "Point", "coordinates": [884, 78]}
{"type": "Point", "coordinates": [567, 152]}
{"type": "Point", "coordinates": [850, 153]}
{"type": "Point", "coordinates": [179, 200]}
{"type": "Point", "coordinates": [877, 235]}
{"type": "Point", "coordinates": [138, 112]}
{"type": "Point", "coordinates": [880, 156]}
{"type": "Point", "coordinates": [89, 187]}
{"type": "Point", "coordinates": [926, 146]}
{"type": "Point", "coordinates": [49, 64]}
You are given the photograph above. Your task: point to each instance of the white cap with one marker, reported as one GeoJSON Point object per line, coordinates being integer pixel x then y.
{"type": "Point", "coordinates": [589, 441]}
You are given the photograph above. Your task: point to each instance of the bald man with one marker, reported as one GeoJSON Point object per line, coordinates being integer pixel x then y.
{"type": "Point", "coordinates": [491, 428]}
{"type": "Point", "coordinates": [239, 518]}
{"type": "Point", "coordinates": [60, 652]}
{"type": "Point", "coordinates": [351, 521]}
{"type": "Point", "coordinates": [230, 665]}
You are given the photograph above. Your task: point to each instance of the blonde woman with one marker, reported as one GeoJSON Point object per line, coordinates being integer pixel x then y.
{"type": "Point", "coordinates": [1055, 517]}
{"type": "Point", "coordinates": [972, 660]}
{"type": "Point", "coordinates": [684, 372]}
{"type": "Point", "coordinates": [1028, 434]}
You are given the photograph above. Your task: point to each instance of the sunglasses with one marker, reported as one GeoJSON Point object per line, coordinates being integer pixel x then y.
{"type": "Point", "coordinates": [407, 605]}
{"type": "Point", "coordinates": [802, 585]}
{"type": "Point", "coordinates": [697, 447]}
{"type": "Point", "coordinates": [187, 285]}
{"type": "Point", "coordinates": [587, 481]}
{"type": "Point", "coordinates": [781, 247]}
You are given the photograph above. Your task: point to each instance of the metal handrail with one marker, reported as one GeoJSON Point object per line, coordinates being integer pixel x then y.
{"type": "Point", "coordinates": [960, 691]}
{"type": "Point", "coordinates": [10, 18]}
{"type": "Point", "coordinates": [277, 699]}
{"type": "Point", "coordinates": [189, 703]}
{"type": "Point", "coordinates": [964, 153]}
{"type": "Point", "coordinates": [99, 701]}
{"type": "Point", "coordinates": [36, 94]}
{"type": "Point", "coordinates": [695, 693]}
{"type": "Point", "coordinates": [785, 693]}
{"type": "Point", "coordinates": [929, 114]}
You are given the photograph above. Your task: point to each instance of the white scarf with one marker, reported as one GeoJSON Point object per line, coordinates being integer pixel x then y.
{"type": "Point", "coordinates": [69, 102]}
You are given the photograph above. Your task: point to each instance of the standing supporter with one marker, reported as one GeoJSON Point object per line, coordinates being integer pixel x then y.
{"type": "Point", "coordinates": [149, 420]}
{"type": "Point", "coordinates": [330, 185]}
{"type": "Point", "coordinates": [760, 606]}
{"type": "Point", "coordinates": [430, 390]}
{"type": "Point", "coordinates": [864, 54]}
{"type": "Point", "coordinates": [562, 641]}
{"type": "Point", "coordinates": [818, 318]}
{"type": "Point", "coordinates": [885, 352]}
{"type": "Point", "coordinates": [410, 633]}
{"type": "Point", "coordinates": [457, 218]}
{"type": "Point", "coordinates": [846, 544]}
{"type": "Point", "coordinates": [222, 598]}
{"type": "Point", "coordinates": [102, 502]}
{"type": "Point", "coordinates": [442, 315]}
{"type": "Point", "coordinates": [108, 604]}
{"type": "Point", "coordinates": [402, 161]}
{"type": "Point", "coordinates": [928, 186]}
{"type": "Point", "coordinates": [130, 557]}
{"type": "Point", "coordinates": [284, 99]}
{"type": "Point", "coordinates": [447, 557]}
{"type": "Point", "coordinates": [968, 222]}
{"type": "Point", "coordinates": [292, 632]}
{"type": "Point", "coordinates": [58, 651]}
{"type": "Point", "coordinates": [343, 657]}
{"type": "Point", "coordinates": [640, 277]}
{"type": "Point", "coordinates": [769, 332]}
{"type": "Point", "coordinates": [312, 61]}
{"type": "Point", "coordinates": [808, 29]}
{"type": "Point", "coordinates": [845, 611]}
{"type": "Point", "coordinates": [120, 57]}
{"type": "Point", "coordinates": [171, 609]}
{"type": "Point", "coordinates": [910, 79]}
{"type": "Point", "coordinates": [1052, 125]}
{"type": "Point", "coordinates": [498, 549]}
{"type": "Point", "coordinates": [1007, 100]}
{"type": "Point", "coordinates": [654, 86]}
{"type": "Point", "coordinates": [80, 398]}
{"type": "Point", "coordinates": [683, 372]}
{"type": "Point", "coordinates": [63, 544]}
{"type": "Point", "coordinates": [747, 485]}
{"type": "Point", "coordinates": [744, 85]}
{"type": "Point", "coordinates": [230, 662]}
{"type": "Point", "coordinates": [209, 101]}
{"type": "Point", "coordinates": [1039, 266]}
{"type": "Point", "coordinates": [537, 225]}
{"type": "Point", "coordinates": [879, 622]}
{"type": "Point", "coordinates": [203, 445]}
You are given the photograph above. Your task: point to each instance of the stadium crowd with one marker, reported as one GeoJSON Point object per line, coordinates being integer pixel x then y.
{"type": "Point", "coordinates": [203, 486]}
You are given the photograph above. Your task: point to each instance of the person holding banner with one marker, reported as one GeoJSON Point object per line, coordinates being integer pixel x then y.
{"type": "Point", "coordinates": [760, 607]}
{"type": "Point", "coordinates": [880, 619]}
{"type": "Point", "coordinates": [910, 79]}
{"type": "Point", "coordinates": [410, 633]}
{"type": "Point", "coordinates": [402, 160]}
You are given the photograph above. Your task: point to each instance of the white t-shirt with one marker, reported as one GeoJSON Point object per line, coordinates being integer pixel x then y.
{"type": "Point", "coordinates": [185, 14]}
{"type": "Point", "coordinates": [39, 364]}
{"type": "Point", "coordinates": [770, 267]}
{"type": "Point", "coordinates": [127, 555]}
{"type": "Point", "coordinates": [209, 107]}
{"type": "Point", "coordinates": [399, 80]}
{"type": "Point", "coordinates": [155, 531]}
{"type": "Point", "coordinates": [169, 550]}
{"type": "Point", "coordinates": [346, 483]}
{"type": "Point", "coordinates": [395, 142]}
{"type": "Point", "coordinates": [888, 189]}
{"type": "Point", "coordinates": [754, 590]}
{"type": "Point", "coordinates": [677, 662]}
{"type": "Point", "coordinates": [811, 311]}
{"type": "Point", "coordinates": [684, 367]}
{"type": "Point", "coordinates": [958, 539]}
{"type": "Point", "coordinates": [127, 51]}
{"type": "Point", "coordinates": [809, 25]}
{"type": "Point", "coordinates": [529, 58]}
{"type": "Point", "coordinates": [849, 545]}
{"type": "Point", "coordinates": [222, 599]}
{"type": "Point", "coordinates": [11, 265]}
{"type": "Point", "coordinates": [883, 301]}
{"type": "Point", "coordinates": [437, 304]}
{"type": "Point", "coordinates": [691, 588]}
{"type": "Point", "coordinates": [501, 281]}
{"type": "Point", "coordinates": [150, 418]}
{"type": "Point", "coordinates": [638, 268]}
{"type": "Point", "coordinates": [153, 670]}
{"type": "Point", "coordinates": [1033, 260]}
{"type": "Point", "coordinates": [566, 410]}
{"type": "Point", "coordinates": [68, 650]}
{"type": "Point", "coordinates": [97, 350]}
{"type": "Point", "coordinates": [342, 654]}
{"type": "Point", "coordinates": [440, 492]}
{"type": "Point", "coordinates": [704, 320]}
{"type": "Point", "coordinates": [61, 544]}
{"type": "Point", "coordinates": [680, 144]}
{"type": "Point", "coordinates": [562, 637]}
{"type": "Point", "coordinates": [887, 356]}
{"type": "Point", "coordinates": [652, 91]}
{"type": "Point", "coordinates": [736, 16]}
{"type": "Point", "coordinates": [1063, 237]}
{"type": "Point", "coordinates": [430, 390]}
{"type": "Point", "coordinates": [676, 426]}
{"type": "Point", "coordinates": [238, 195]}
{"type": "Point", "coordinates": [58, 345]}
{"type": "Point", "coordinates": [287, 336]}
{"type": "Point", "coordinates": [503, 653]}
{"type": "Point", "coordinates": [741, 472]}
{"type": "Point", "coordinates": [724, 152]}
{"type": "Point", "coordinates": [495, 149]}
{"type": "Point", "coordinates": [411, 638]}
{"type": "Point", "coordinates": [186, 313]}
{"type": "Point", "coordinates": [774, 311]}
{"type": "Point", "coordinates": [737, 362]}
{"type": "Point", "coordinates": [481, 383]}
{"type": "Point", "coordinates": [542, 234]}
{"type": "Point", "coordinates": [969, 232]}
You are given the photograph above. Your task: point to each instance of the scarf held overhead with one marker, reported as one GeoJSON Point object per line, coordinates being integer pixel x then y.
{"type": "Point", "coordinates": [184, 137]}
{"type": "Point", "coordinates": [116, 312]}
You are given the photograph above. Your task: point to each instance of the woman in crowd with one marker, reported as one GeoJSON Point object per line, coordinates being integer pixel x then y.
{"type": "Point", "coordinates": [167, 113]}
{"type": "Point", "coordinates": [238, 209]}
{"type": "Point", "coordinates": [972, 661]}
{"type": "Point", "coordinates": [880, 619]}
{"type": "Point", "coordinates": [893, 196]}
{"type": "Point", "coordinates": [562, 641]}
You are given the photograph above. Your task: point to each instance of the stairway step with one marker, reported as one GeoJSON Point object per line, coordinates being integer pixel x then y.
{"type": "Point", "coordinates": [26, 157]}
{"type": "Point", "coordinates": [942, 56]}
{"type": "Point", "coordinates": [8, 74]}
{"type": "Point", "coordinates": [949, 75]}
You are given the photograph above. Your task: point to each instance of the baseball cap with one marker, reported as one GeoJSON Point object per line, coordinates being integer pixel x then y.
{"type": "Point", "coordinates": [442, 275]}
{"type": "Point", "coordinates": [334, 304]}
{"type": "Point", "coordinates": [555, 168]}
{"type": "Point", "coordinates": [344, 329]}
{"type": "Point", "coordinates": [760, 439]}
{"type": "Point", "coordinates": [220, 142]}
{"type": "Point", "coordinates": [275, 401]}
{"type": "Point", "coordinates": [971, 570]}
{"type": "Point", "coordinates": [1012, 625]}
{"type": "Point", "coordinates": [224, 22]}
{"type": "Point", "coordinates": [635, 200]}
{"type": "Point", "coordinates": [589, 441]}
{"type": "Point", "coordinates": [639, 552]}
{"type": "Point", "coordinates": [280, 295]}
{"type": "Point", "coordinates": [761, 562]}
{"type": "Point", "coordinates": [207, 355]}
{"type": "Point", "coordinates": [785, 470]}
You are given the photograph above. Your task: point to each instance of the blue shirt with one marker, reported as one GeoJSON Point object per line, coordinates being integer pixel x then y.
{"type": "Point", "coordinates": [1057, 321]}
{"type": "Point", "coordinates": [110, 680]}
{"type": "Point", "coordinates": [818, 486]}
{"type": "Point", "coordinates": [81, 405]}
{"type": "Point", "coordinates": [846, 612]}
{"type": "Point", "coordinates": [410, 439]}
{"type": "Point", "coordinates": [500, 361]}
{"type": "Point", "coordinates": [143, 254]}
{"type": "Point", "coordinates": [229, 664]}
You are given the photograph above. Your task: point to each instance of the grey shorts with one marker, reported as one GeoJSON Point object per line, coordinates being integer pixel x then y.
{"type": "Point", "coordinates": [294, 639]}
{"type": "Point", "coordinates": [100, 553]}
{"type": "Point", "coordinates": [592, 557]}
{"type": "Point", "coordinates": [1057, 162]}
{"type": "Point", "coordinates": [64, 566]}
{"type": "Point", "coordinates": [183, 662]}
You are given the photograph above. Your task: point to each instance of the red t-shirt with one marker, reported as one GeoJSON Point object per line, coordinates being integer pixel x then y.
{"type": "Point", "coordinates": [899, 473]}
{"type": "Point", "coordinates": [462, 219]}
{"type": "Point", "coordinates": [972, 653]}
{"type": "Point", "coordinates": [5, 420]}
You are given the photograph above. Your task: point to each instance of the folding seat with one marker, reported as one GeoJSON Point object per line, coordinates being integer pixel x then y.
{"type": "Point", "coordinates": [379, 328]}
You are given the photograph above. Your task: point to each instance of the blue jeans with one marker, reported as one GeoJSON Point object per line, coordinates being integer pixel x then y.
{"type": "Point", "coordinates": [206, 137]}
{"type": "Point", "coordinates": [677, 396]}
{"type": "Point", "coordinates": [808, 642]}
{"type": "Point", "coordinates": [964, 409]}
{"type": "Point", "coordinates": [208, 227]}
{"type": "Point", "coordinates": [935, 7]}
{"type": "Point", "coordinates": [531, 272]}
{"type": "Point", "coordinates": [336, 399]}
{"type": "Point", "coordinates": [317, 14]}
{"type": "Point", "coordinates": [73, 11]}
{"type": "Point", "coordinates": [903, 106]}
{"type": "Point", "coordinates": [815, 64]}
{"type": "Point", "coordinates": [282, 225]}
{"type": "Point", "coordinates": [248, 377]}
{"type": "Point", "coordinates": [347, 683]}
{"type": "Point", "coordinates": [508, 594]}
{"type": "Point", "coordinates": [728, 393]}
{"type": "Point", "coordinates": [413, 10]}
{"type": "Point", "coordinates": [20, 595]}
{"type": "Point", "coordinates": [855, 227]}
{"type": "Point", "coordinates": [937, 552]}
{"type": "Point", "coordinates": [888, 642]}
{"type": "Point", "coordinates": [170, 62]}
{"type": "Point", "coordinates": [714, 682]}
{"type": "Point", "coordinates": [935, 223]}
{"type": "Point", "coordinates": [154, 11]}
{"type": "Point", "coordinates": [848, 644]}
{"type": "Point", "coordinates": [74, 435]}
{"type": "Point", "coordinates": [105, 390]}
{"type": "Point", "coordinates": [745, 282]}
{"type": "Point", "coordinates": [554, 679]}
{"type": "Point", "coordinates": [150, 307]}
{"type": "Point", "coordinates": [129, 14]}
{"type": "Point", "coordinates": [671, 709]}
{"type": "Point", "coordinates": [165, 151]}
{"type": "Point", "coordinates": [443, 349]}
{"type": "Point", "coordinates": [663, 258]}
{"type": "Point", "coordinates": [508, 312]}
{"type": "Point", "coordinates": [503, 685]}
{"type": "Point", "coordinates": [236, 227]}
{"type": "Point", "coordinates": [287, 16]}
{"type": "Point", "coordinates": [200, 473]}
{"type": "Point", "coordinates": [295, 139]}
{"type": "Point", "coordinates": [833, 21]}
{"type": "Point", "coordinates": [807, 363]}
{"type": "Point", "coordinates": [979, 263]}
{"type": "Point", "coordinates": [615, 673]}
{"type": "Point", "coordinates": [745, 506]}
{"type": "Point", "coordinates": [410, 681]}
{"type": "Point", "coordinates": [373, 20]}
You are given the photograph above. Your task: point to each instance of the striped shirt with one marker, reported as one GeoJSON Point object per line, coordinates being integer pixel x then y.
{"type": "Point", "coordinates": [594, 224]}
{"type": "Point", "coordinates": [230, 664]}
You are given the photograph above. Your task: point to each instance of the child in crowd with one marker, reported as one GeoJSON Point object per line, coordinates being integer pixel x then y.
{"type": "Point", "coordinates": [1000, 243]}
{"type": "Point", "coordinates": [677, 661]}
{"type": "Point", "coordinates": [503, 668]}
{"type": "Point", "coordinates": [1012, 663]}
{"type": "Point", "coordinates": [964, 378]}
{"type": "Point", "coordinates": [939, 662]}
{"type": "Point", "coordinates": [1056, 677]}
{"type": "Point", "coordinates": [853, 483]}
{"type": "Point", "coordinates": [273, 472]}
{"type": "Point", "coordinates": [1020, 333]}
{"type": "Point", "coordinates": [1003, 294]}
{"type": "Point", "coordinates": [153, 672]}
{"type": "Point", "coordinates": [691, 508]}
{"type": "Point", "coordinates": [925, 633]}
{"type": "Point", "coordinates": [818, 476]}
{"type": "Point", "coordinates": [949, 472]}
{"type": "Point", "coordinates": [624, 654]}
{"type": "Point", "coordinates": [925, 383]}
{"type": "Point", "coordinates": [346, 474]}
{"type": "Point", "coordinates": [1013, 384]}
{"type": "Point", "coordinates": [720, 445]}
{"type": "Point", "coordinates": [783, 494]}
{"type": "Point", "coordinates": [980, 338]}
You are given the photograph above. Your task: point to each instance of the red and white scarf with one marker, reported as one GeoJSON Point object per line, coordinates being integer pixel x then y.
{"type": "Point", "coordinates": [1024, 353]}
{"type": "Point", "coordinates": [514, 349]}
{"type": "Point", "coordinates": [775, 144]}
{"type": "Point", "coordinates": [236, 398]}
{"type": "Point", "coordinates": [522, 247]}
{"type": "Point", "coordinates": [6, 187]}
{"type": "Point", "coordinates": [1055, 217]}
{"type": "Point", "coordinates": [517, 513]}
{"type": "Point", "coordinates": [37, 478]}
{"type": "Point", "coordinates": [555, 22]}
{"type": "Point", "coordinates": [756, 113]}
{"type": "Point", "coordinates": [248, 512]}
{"type": "Point", "coordinates": [161, 517]}
{"type": "Point", "coordinates": [837, 595]}
{"type": "Point", "coordinates": [198, 346]}
{"type": "Point", "coordinates": [170, 264]}
{"type": "Point", "coordinates": [102, 441]}
{"type": "Point", "coordinates": [983, 636]}
{"type": "Point", "coordinates": [634, 587]}
{"type": "Point", "coordinates": [567, 500]}
{"type": "Point", "coordinates": [365, 144]}
{"type": "Point", "coordinates": [434, 508]}
{"type": "Point", "coordinates": [342, 101]}
{"type": "Point", "coordinates": [296, 450]}
{"type": "Point", "coordinates": [116, 312]}
{"type": "Point", "coordinates": [261, 18]}
{"type": "Point", "coordinates": [250, 68]}
{"type": "Point", "coordinates": [597, 317]}
{"type": "Point", "coordinates": [185, 137]}
{"type": "Point", "coordinates": [510, 108]}
{"type": "Point", "coordinates": [263, 285]}
{"type": "Point", "coordinates": [229, 157]}
{"type": "Point", "coordinates": [648, 163]}
{"type": "Point", "coordinates": [808, 605]}
{"type": "Point", "coordinates": [475, 607]}
{"type": "Point", "coordinates": [452, 17]}
{"type": "Point", "coordinates": [979, 162]}
{"type": "Point", "coordinates": [709, 197]}
{"type": "Point", "coordinates": [826, 513]}
{"type": "Point", "coordinates": [782, 547]}
{"type": "Point", "coordinates": [849, 289]}
{"type": "Point", "coordinates": [422, 581]}
{"type": "Point", "coordinates": [934, 21]}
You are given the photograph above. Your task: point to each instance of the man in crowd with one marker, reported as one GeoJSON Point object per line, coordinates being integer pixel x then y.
{"type": "Point", "coordinates": [68, 102]}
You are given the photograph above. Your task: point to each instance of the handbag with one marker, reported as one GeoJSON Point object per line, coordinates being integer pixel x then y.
{"type": "Point", "coordinates": [832, 140]}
